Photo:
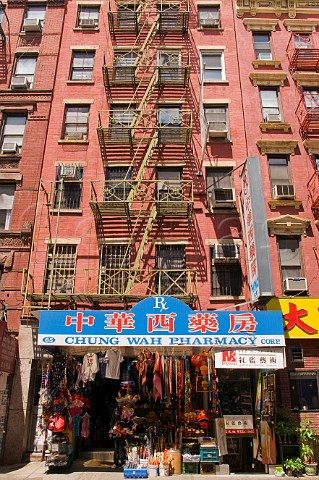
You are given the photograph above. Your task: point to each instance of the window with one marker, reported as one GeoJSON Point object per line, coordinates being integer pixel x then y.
{"type": "Point", "coordinates": [213, 66]}
{"type": "Point", "coordinates": [208, 17]}
{"type": "Point", "coordinates": [13, 133]}
{"type": "Point", "coordinates": [217, 122]}
{"type": "Point", "coordinates": [289, 255]}
{"type": "Point", "coordinates": [114, 269]}
{"type": "Point", "coordinates": [60, 269]}
{"type": "Point", "coordinates": [262, 46]}
{"type": "Point", "coordinates": [24, 70]}
{"type": "Point", "coordinates": [220, 192]}
{"type": "Point", "coordinates": [280, 177]}
{"type": "Point", "coordinates": [304, 390]}
{"type": "Point", "coordinates": [127, 16]}
{"type": "Point", "coordinates": [82, 65]}
{"type": "Point", "coordinates": [118, 183]}
{"type": "Point", "coordinates": [34, 18]}
{"type": "Point", "coordinates": [169, 186]}
{"type": "Point", "coordinates": [76, 122]}
{"type": "Point", "coordinates": [124, 63]}
{"type": "Point", "coordinates": [169, 16]}
{"type": "Point", "coordinates": [6, 204]}
{"type": "Point", "coordinates": [302, 41]}
{"type": "Point", "coordinates": [169, 63]}
{"type": "Point", "coordinates": [68, 187]}
{"type": "Point", "coordinates": [270, 104]}
{"type": "Point", "coordinates": [226, 278]}
{"type": "Point", "coordinates": [170, 263]}
{"type": "Point", "coordinates": [88, 17]}
{"type": "Point", "coordinates": [169, 116]}
{"type": "Point", "coordinates": [312, 100]}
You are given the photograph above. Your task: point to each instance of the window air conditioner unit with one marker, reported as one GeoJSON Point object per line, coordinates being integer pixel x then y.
{"type": "Point", "coordinates": [295, 284]}
{"type": "Point", "coordinates": [32, 25]}
{"type": "Point", "coordinates": [283, 191]}
{"type": "Point", "coordinates": [70, 172]}
{"type": "Point", "coordinates": [9, 147]}
{"type": "Point", "coordinates": [272, 117]}
{"type": "Point", "coordinates": [75, 136]}
{"type": "Point", "coordinates": [226, 252]}
{"type": "Point", "coordinates": [217, 129]}
{"type": "Point", "coordinates": [87, 22]}
{"type": "Point", "coordinates": [209, 22]}
{"type": "Point", "coordinates": [222, 198]}
{"type": "Point", "coordinates": [19, 83]}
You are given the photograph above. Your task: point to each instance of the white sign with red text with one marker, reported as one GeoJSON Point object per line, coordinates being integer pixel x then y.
{"type": "Point", "coordinates": [266, 359]}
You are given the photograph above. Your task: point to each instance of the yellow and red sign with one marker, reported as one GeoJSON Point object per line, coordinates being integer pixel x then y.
{"type": "Point", "coordinates": [300, 316]}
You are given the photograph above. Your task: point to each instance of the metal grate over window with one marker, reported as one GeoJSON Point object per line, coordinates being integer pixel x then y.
{"type": "Point", "coordinates": [60, 270]}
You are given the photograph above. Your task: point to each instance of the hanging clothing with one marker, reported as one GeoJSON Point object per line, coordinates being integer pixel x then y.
{"type": "Point", "coordinates": [85, 430]}
{"type": "Point", "coordinates": [157, 380]}
{"type": "Point", "coordinates": [76, 423]}
{"type": "Point", "coordinates": [90, 367]}
{"type": "Point", "coordinates": [102, 358]}
{"type": "Point", "coordinates": [114, 359]}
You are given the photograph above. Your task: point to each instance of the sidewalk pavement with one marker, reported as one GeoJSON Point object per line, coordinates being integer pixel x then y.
{"type": "Point", "coordinates": [38, 471]}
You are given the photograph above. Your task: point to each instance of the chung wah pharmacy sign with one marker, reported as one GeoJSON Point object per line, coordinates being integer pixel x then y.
{"type": "Point", "coordinates": [265, 359]}
{"type": "Point", "coordinates": [161, 320]}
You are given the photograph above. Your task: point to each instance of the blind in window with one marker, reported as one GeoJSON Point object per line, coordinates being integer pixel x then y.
{"type": "Point", "coordinates": [269, 98]}
{"type": "Point", "coordinates": [289, 251]}
{"type": "Point", "coordinates": [212, 60]}
{"type": "Point", "coordinates": [6, 197]}
{"type": "Point", "coordinates": [219, 179]}
{"type": "Point", "coordinates": [15, 125]}
{"type": "Point", "coordinates": [25, 65]}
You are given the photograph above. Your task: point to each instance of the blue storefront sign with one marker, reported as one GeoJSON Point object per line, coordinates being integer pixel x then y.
{"type": "Point", "coordinates": [161, 320]}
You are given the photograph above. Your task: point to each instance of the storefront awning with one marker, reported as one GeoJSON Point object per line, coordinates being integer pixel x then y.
{"type": "Point", "coordinates": [161, 321]}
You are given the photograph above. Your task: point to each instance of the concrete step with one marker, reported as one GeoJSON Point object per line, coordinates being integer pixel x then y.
{"type": "Point", "coordinates": [103, 455]}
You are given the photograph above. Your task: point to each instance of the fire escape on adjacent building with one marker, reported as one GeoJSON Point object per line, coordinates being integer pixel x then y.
{"type": "Point", "coordinates": [130, 132]}
{"type": "Point", "coordinates": [303, 57]}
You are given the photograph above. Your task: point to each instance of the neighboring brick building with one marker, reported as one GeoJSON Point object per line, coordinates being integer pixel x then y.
{"type": "Point", "coordinates": [137, 119]}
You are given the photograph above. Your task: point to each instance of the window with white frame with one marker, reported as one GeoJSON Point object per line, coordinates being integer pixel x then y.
{"type": "Point", "coordinates": [88, 16]}
{"type": "Point", "coordinates": [289, 256]}
{"type": "Point", "coordinates": [82, 65]}
{"type": "Point", "coordinates": [76, 122]}
{"type": "Point", "coordinates": [68, 187]}
{"type": "Point", "coordinates": [24, 70]}
{"type": "Point", "coordinates": [269, 98]}
{"type": "Point", "coordinates": [262, 46]}
{"type": "Point", "coordinates": [279, 174]}
{"type": "Point", "coordinates": [13, 132]}
{"type": "Point", "coordinates": [209, 16]}
{"type": "Point", "coordinates": [216, 119]}
{"type": "Point", "coordinates": [34, 17]}
{"type": "Point", "coordinates": [212, 65]}
{"type": "Point", "coordinates": [6, 204]}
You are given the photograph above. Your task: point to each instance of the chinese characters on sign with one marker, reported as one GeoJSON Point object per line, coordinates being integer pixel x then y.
{"type": "Point", "coordinates": [265, 359]}
{"type": "Point", "coordinates": [239, 424]}
{"type": "Point", "coordinates": [300, 316]}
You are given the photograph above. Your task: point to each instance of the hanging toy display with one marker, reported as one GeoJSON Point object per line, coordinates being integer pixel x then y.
{"type": "Point", "coordinates": [214, 380]}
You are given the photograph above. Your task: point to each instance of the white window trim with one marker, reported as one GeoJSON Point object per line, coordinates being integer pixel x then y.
{"type": "Point", "coordinates": [223, 79]}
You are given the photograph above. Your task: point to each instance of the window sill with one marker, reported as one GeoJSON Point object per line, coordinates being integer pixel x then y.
{"type": "Point", "coordinates": [223, 211]}
{"type": "Point", "coordinates": [10, 155]}
{"type": "Point", "coordinates": [296, 204]}
{"type": "Point", "coordinates": [80, 29]}
{"type": "Point", "coordinates": [266, 63]}
{"type": "Point", "coordinates": [35, 33]}
{"type": "Point", "coordinates": [227, 297]}
{"type": "Point", "coordinates": [210, 29]}
{"type": "Point", "coordinates": [67, 210]}
{"type": "Point", "coordinates": [218, 82]}
{"type": "Point", "coordinates": [65, 141]}
{"type": "Point", "coordinates": [82, 82]}
{"type": "Point", "coordinates": [264, 126]}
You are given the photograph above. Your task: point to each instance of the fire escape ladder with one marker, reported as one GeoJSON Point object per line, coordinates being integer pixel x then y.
{"type": "Point", "coordinates": [141, 249]}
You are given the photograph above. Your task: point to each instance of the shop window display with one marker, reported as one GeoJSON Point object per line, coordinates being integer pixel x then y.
{"type": "Point", "coordinates": [154, 410]}
{"type": "Point", "coordinates": [304, 390]}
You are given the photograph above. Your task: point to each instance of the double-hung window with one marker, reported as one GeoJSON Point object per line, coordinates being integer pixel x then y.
{"type": "Point", "coordinates": [60, 269]}
{"type": "Point", "coordinates": [280, 177]}
{"type": "Point", "coordinates": [302, 40]}
{"type": "Point", "coordinates": [76, 122]}
{"type": "Point", "coordinates": [13, 133]}
{"type": "Point", "coordinates": [124, 63]}
{"type": "Point", "coordinates": [289, 255]}
{"type": "Point", "coordinates": [170, 263]}
{"type": "Point", "coordinates": [88, 17]}
{"type": "Point", "coordinates": [82, 65]}
{"type": "Point", "coordinates": [169, 63]}
{"type": "Point", "coordinates": [34, 18]}
{"type": "Point", "coordinates": [270, 104]}
{"type": "Point", "coordinates": [169, 116]}
{"type": "Point", "coordinates": [118, 183]}
{"type": "Point", "coordinates": [311, 100]}
{"type": "Point", "coordinates": [6, 204]}
{"type": "Point", "coordinates": [216, 117]}
{"type": "Point", "coordinates": [220, 191]}
{"type": "Point", "coordinates": [68, 187]}
{"type": "Point", "coordinates": [226, 271]}
{"type": "Point", "coordinates": [169, 185]}
{"type": "Point", "coordinates": [209, 16]}
{"type": "Point", "coordinates": [262, 46]}
{"type": "Point", "coordinates": [212, 66]}
{"type": "Point", "coordinates": [114, 269]}
{"type": "Point", "coordinates": [24, 70]}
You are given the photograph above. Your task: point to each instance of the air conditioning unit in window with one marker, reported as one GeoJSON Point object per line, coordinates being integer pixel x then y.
{"type": "Point", "coordinates": [295, 284]}
{"type": "Point", "coordinates": [20, 83]}
{"type": "Point", "coordinates": [87, 22]}
{"type": "Point", "coordinates": [75, 136]}
{"type": "Point", "coordinates": [222, 198]}
{"type": "Point", "coordinates": [217, 129]}
{"type": "Point", "coordinates": [283, 191]}
{"type": "Point", "coordinates": [209, 22]}
{"type": "Point", "coordinates": [9, 147]}
{"type": "Point", "coordinates": [70, 172]}
{"type": "Point", "coordinates": [272, 117]}
{"type": "Point", "coordinates": [32, 25]}
{"type": "Point", "coordinates": [226, 252]}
